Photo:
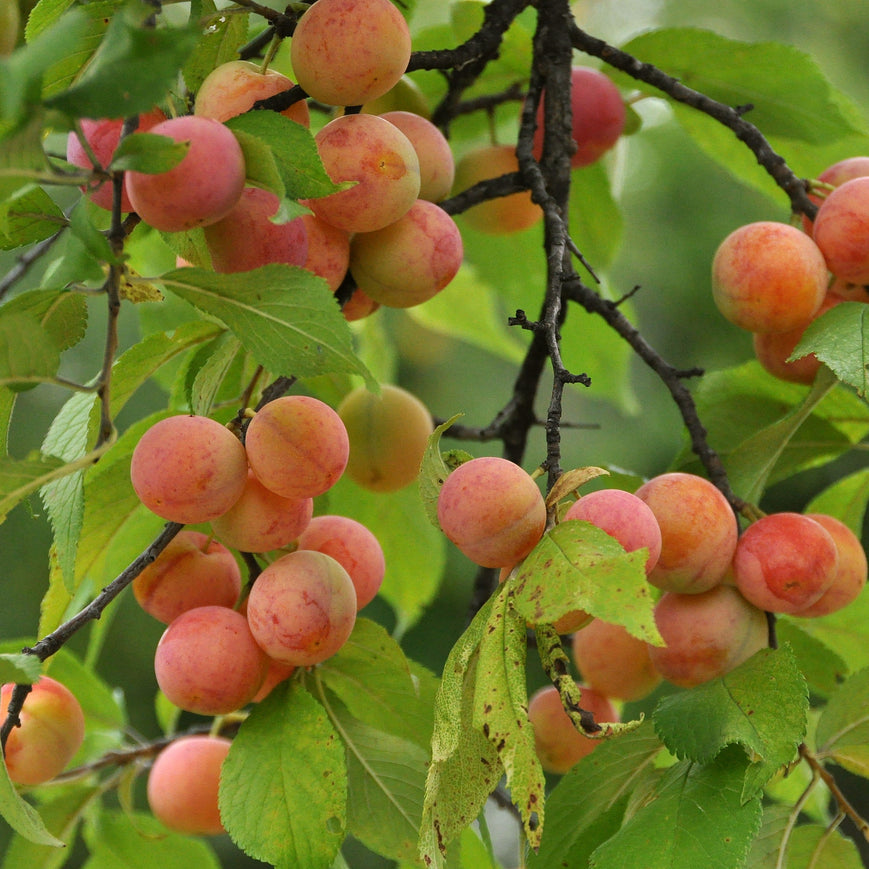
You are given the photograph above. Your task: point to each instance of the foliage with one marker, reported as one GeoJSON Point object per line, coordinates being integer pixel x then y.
{"type": "Point", "coordinates": [371, 747]}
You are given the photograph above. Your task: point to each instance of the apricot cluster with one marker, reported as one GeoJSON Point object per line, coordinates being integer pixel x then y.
{"type": "Point", "coordinates": [714, 585]}
{"type": "Point", "coordinates": [775, 279]}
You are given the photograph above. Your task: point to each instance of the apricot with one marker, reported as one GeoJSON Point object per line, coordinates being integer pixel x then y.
{"type": "Point", "coordinates": [773, 350]}
{"type": "Point", "coordinates": [184, 782]}
{"type": "Point", "coordinates": [381, 161]}
{"type": "Point", "coordinates": [103, 136]}
{"type": "Point", "coordinates": [388, 435]}
{"type": "Point", "coordinates": [836, 175]}
{"type": "Point", "coordinates": [850, 577]}
{"type": "Point", "coordinates": [188, 469]}
{"type": "Point", "coordinates": [193, 570]}
{"type": "Point", "coordinates": [411, 260]}
{"type": "Point", "coordinates": [353, 546]}
{"type": "Point", "coordinates": [346, 52]}
{"type": "Point", "coordinates": [505, 214]}
{"type": "Point", "coordinates": [202, 188]}
{"type": "Point", "coordinates": [437, 167]}
{"type": "Point", "coordinates": [51, 732]}
{"type": "Point", "coordinates": [261, 520]}
{"type": "Point", "coordinates": [841, 231]}
{"type": "Point", "coordinates": [233, 87]}
{"type": "Point", "coordinates": [768, 277]}
{"type": "Point", "coordinates": [784, 562]}
{"type": "Point", "coordinates": [492, 510]}
{"type": "Point", "coordinates": [706, 635]}
{"type": "Point", "coordinates": [698, 532]}
{"type": "Point", "coordinates": [328, 250]}
{"type": "Point", "coordinates": [623, 516]}
{"type": "Point", "coordinates": [558, 743]}
{"type": "Point", "coordinates": [247, 238]}
{"type": "Point", "coordinates": [614, 662]}
{"type": "Point", "coordinates": [302, 608]}
{"type": "Point", "coordinates": [208, 662]}
{"type": "Point", "coordinates": [598, 115]}
{"type": "Point", "coordinates": [297, 446]}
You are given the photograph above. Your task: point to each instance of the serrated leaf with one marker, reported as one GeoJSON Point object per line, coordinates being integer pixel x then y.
{"type": "Point", "coordinates": [93, 241]}
{"type": "Point", "coordinates": [63, 314]}
{"type": "Point", "coordinates": [288, 762]}
{"type": "Point", "coordinates": [29, 354]}
{"type": "Point", "coordinates": [147, 60]}
{"type": "Point", "coordinates": [293, 150]}
{"type": "Point", "coordinates": [433, 471]}
{"type": "Point", "coordinates": [840, 339]}
{"type": "Point", "coordinates": [817, 847]}
{"type": "Point", "coordinates": [465, 766]}
{"type": "Point", "coordinates": [373, 679]}
{"type": "Point", "coordinates": [762, 705]}
{"type": "Point", "coordinates": [823, 668]}
{"type": "Point", "coordinates": [587, 804]}
{"type": "Point", "coordinates": [415, 552]}
{"type": "Point", "coordinates": [578, 566]}
{"type": "Point", "coordinates": [792, 99]}
{"type": "Point", "coordinates": [207, 369]}
{"type": "Point", "coordinates": [695, 817]}
{"type": "Point", "coordinates": [138, 841]}
{"type": "Point", "coordinates": [28, 217]}
{"type": "Point", "coordinates": [385, 778]}
{"type": "Point", "coordinates": [281, 315]}
{"type": "Point", "coordinates": [842, 733]}
{"type": "Point", "coordinates": [501, 710]}
{"type": "Point", "coordinates": [21, 477]}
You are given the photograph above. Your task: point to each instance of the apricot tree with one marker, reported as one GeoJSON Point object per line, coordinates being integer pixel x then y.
{"type": "Point", "coordinates": [400, 630]}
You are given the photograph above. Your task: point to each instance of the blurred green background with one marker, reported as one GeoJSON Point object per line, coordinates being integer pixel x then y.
{"type": "Point", "coordinates": [677, 206]}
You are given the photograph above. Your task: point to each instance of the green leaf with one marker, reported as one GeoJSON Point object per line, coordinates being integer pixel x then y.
{"type": "Point", "coordinates": [586, 806]}
{"type": "Point", "coordinates": [842, 734]}
{"type": "Point", "coordinates": [219, 42]}
{"type": "Point", "coordinates": [465, 766]}
{"type": "Point", "coordinates": [27, 217]}
{"type": "Point", "coordinates": [21, 816]}
{"type": "Point", "coordinates": [147, 152]}
{"type": "Point", "coordinates": [469, 310]}
{"type": "Point", "coordinates": [18, 667]}
{"type": "Point", "coordinates": [293, 150]}
{"type": "Point", "coordinates": [30, 356]}
{"type": "Point", "coordinates": [386, 779]}
{"type": "Point", "coordinates": [762, 705]}
{"type": "Point", "coordinates": [845, 499]}
{"type": "Point", "coordinates": [21, 477]}
{"type": "Point", "coordinates": [146, 59]}
{"type": "Point", "coordinates": [792, 99]}
{"type": "Point", "coordinates": [63, 314]}
{"type": "Point", "coordinates": [279, 313]}
{"type": "Point", "coordinates": [374, 680]}
{"type": "Point", "coordinates": [501, 710]}
{"type": "Point", "coordinates": [137, 841]}
{"type": "Point", "coordinates": [61, 809]}
{"type": "Point", "coordinates": [288, 762]}
{"type": "Point", "coordinates": [745, 409]}
{"type": "Point", "coordinates": [823, 668]}
{"type": "Point", "coordinates": [415, 552]}
{"type": "Point", "coordinates": [578, 566]}
{"type": "Point", "coordinates": [840, 339]}
{"type": "Point", "coordinates": [817, 847]}
{"type": "Point", "coordinates": [695, 817]}
{"type": "Point", "coordinates": [94, 242]}
{"type": "Point", "coordinates": [207, 369]}
{"type": "Point", "coordinates": [433, 471]}
{"type": "Point", "coordinates": [595, 217]}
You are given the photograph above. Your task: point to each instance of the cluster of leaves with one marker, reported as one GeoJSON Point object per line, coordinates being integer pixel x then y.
{"type": "Point", "coordinates": [370, 744]}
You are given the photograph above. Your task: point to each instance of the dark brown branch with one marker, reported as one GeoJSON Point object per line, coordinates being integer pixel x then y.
{"type": "Point", "coordinates": [730, 116]}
